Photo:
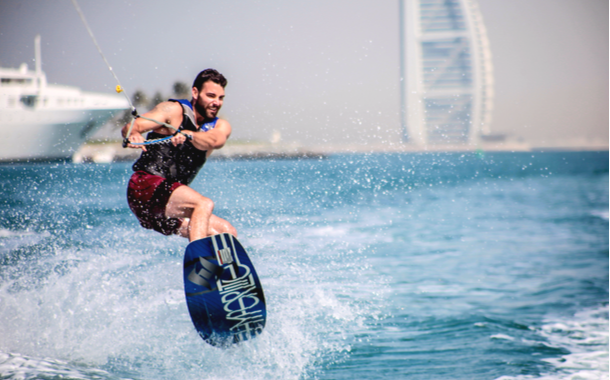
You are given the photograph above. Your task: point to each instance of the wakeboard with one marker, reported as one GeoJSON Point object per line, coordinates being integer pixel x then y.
{"type": "Point", "coordinates": [223, 292]}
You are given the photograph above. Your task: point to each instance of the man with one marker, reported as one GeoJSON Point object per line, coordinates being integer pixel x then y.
{"type": "Point", "coordinates": [158, 192]}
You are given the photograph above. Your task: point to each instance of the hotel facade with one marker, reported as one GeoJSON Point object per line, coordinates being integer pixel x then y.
{"type": "Point", "coordinates": [446, 73]}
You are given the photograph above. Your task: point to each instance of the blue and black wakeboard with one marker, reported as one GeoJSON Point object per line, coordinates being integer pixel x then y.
{"type": "Point", "coordinates": [223, 293]}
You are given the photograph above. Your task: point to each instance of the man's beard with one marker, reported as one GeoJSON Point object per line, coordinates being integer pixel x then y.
{"type": "Point", "coordinates": [202, 111]}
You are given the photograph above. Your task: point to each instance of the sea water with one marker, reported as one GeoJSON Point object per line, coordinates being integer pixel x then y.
{"type": "Point", "coordinates": [380, 266]}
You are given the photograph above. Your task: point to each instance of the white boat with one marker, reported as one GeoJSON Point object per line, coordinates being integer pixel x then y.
{"type": "Point", "coordinates": [41, 121]}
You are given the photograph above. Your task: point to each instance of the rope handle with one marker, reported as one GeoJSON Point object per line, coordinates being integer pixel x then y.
{"type": "Point", "coordinates": [156, 141]}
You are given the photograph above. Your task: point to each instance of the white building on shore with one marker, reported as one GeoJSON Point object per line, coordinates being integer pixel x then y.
{"type": "Point", "coordinates": [446, 73]}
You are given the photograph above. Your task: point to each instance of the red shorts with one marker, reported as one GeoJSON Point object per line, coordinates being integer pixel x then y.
{"type": "Point", "coordinates": [147, 196]}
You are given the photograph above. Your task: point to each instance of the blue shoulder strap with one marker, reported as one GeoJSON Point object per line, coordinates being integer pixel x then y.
{"type": "Point", "coordinates": [184, 102]}
{"type": "Point", "coordinates": [209, 125]}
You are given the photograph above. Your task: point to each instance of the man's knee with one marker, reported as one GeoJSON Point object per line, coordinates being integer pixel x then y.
{"type": "Point", "coordinates": [205, 204]}
{"type": "Point", "coordinates": [185, 228]}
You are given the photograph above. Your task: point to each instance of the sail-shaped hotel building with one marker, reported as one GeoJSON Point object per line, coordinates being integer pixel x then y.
{"type": "Point", "coordinates": [446, 73]}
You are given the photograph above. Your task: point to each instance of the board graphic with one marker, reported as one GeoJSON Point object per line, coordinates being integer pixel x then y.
{"type": "Point", "coordinates": [223, 293]}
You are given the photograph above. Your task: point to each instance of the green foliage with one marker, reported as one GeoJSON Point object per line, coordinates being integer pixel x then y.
{"type": "Point", "coordinates": [181, 90]}
{"type": "Point", "coordinates": [158, 98]}
{"type": "Point", "coordinates": [139, 98]}
{"type": "Point", "coordinates": [143, 103]}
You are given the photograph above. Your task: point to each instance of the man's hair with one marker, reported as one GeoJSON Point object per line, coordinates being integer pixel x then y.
{"type": "Point", "coordinates": [207, 75]}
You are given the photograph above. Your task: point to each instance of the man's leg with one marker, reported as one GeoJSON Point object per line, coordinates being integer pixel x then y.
{"type": "Point", "coordinates": [185, 202]}
{"type": "Point", "coordinates": [217, 226]}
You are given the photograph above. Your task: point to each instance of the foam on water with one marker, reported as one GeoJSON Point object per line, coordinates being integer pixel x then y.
{"type": "Point", "coordinates": [370, 271]}
{"type": "Point", "coordinates": [603, 214]}
{"type": "Point", "coordinates": [19, 367]}
{"type": "Point", "coordinates": [117, 307]}
{"type": "Point", "coordinates": [10, 240]}
{"type": "Point", "coordinates": [585, 337]}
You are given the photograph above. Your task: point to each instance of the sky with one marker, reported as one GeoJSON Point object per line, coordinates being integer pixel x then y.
{"type": "Point", "coordinates": [320, 71]}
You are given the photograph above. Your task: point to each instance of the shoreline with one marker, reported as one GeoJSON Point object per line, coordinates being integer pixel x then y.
{"type": "Point", "coordinates": [106, 152]}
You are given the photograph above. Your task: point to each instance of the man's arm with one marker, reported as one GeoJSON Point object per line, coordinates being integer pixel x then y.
{"type": "Point", "coordinates": [165, 112]}
{"type": "Point", "coordinates": [212, 139]}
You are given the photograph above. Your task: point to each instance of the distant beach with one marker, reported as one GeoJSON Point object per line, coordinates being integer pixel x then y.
{"type": "Point", "coordinates": [112, 151]}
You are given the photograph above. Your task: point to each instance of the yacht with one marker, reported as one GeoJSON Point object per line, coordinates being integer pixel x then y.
{"type": "Point", "coordinates": [41, 121]}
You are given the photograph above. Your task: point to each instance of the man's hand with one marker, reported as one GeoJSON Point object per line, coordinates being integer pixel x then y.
{"type": "Point", "coordinates": [180, 138]}
{"type": "Point", "coordinates": [165, 112]}
{"type": "Point", "coordinates": [136, 138]}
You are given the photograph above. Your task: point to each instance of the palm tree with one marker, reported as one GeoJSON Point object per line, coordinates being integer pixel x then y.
{"type": "Point", "coordinates": [139, 98]}
{"type": "Point", "coordinates": [182, 90]}
{"type": "Point", "coordinates": [158, 98]}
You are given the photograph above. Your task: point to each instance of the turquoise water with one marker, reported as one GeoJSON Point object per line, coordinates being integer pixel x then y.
{"type": "Point", "coordinates": [384, 266]}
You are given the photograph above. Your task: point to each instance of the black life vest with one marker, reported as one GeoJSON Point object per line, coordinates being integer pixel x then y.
{"type": "Point", "coordinates": [176, 163]}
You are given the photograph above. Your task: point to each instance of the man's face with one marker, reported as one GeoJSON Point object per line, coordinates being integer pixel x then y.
{"type": "Point", "coordinates": [209, 100]}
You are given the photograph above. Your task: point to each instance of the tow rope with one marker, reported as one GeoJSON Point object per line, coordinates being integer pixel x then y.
{"type": "Point", "coordinates": [119, 89]}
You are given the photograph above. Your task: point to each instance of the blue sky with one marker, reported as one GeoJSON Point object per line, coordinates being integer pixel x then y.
{"type": "Point", "coordinates": [321, 71]}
